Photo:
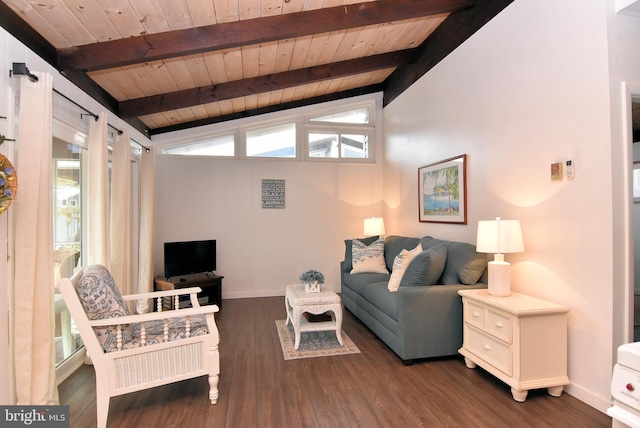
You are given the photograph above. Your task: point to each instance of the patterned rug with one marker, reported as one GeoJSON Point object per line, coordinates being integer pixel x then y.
{"type": "Point", "coordinates": [313, 343]}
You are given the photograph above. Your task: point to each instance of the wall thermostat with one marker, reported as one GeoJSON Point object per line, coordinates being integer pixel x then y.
{"type": "Point", "coordinates": [569, 168]}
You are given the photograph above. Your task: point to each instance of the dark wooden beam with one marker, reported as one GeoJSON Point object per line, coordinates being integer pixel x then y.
{"type": "Point", "coordinates": [270, 109]}
{"type": "Point", "coordinates": [190, 41]}
{"type": "Point", "coordinates": [260, 84]}
{"type": "Point", "coordinates": [95, 91]}
{"type": "Point", "coordinates": [457, 28]}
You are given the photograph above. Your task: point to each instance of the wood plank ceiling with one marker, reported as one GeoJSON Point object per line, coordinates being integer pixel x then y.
{"type": "Point", "coordinates": [165, 65]}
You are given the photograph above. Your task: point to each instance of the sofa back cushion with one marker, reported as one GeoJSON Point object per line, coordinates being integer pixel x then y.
{"type": "Point", "coordinates": [464, 265]}
{"type": "Point", "coordinates": [393, 245]}
{"type": "Point", "coordinates": [426, 267]}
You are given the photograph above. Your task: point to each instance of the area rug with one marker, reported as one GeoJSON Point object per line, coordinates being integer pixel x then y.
{"type": "Point", "coordinates": [313, 343]}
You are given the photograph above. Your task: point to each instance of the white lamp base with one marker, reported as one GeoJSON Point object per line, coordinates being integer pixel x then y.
{"type": "Point", "coordinates": [500, 278]}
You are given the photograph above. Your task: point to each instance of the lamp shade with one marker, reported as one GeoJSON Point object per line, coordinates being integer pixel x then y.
{"type": "Point", "coordinates": [499, 236]}
{"type": "Point", "coordinates": [374, 226]}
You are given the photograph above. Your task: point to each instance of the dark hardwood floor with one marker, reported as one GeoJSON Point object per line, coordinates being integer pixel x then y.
{"type": "Point", "coordinates": [258, 388]}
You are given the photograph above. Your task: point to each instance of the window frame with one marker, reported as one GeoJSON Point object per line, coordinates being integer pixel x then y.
{"type": "Point", "coordinates": [301, 117]}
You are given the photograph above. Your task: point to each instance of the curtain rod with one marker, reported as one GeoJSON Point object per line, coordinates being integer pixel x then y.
{"type": "Point", "coordinates": [95, 116]}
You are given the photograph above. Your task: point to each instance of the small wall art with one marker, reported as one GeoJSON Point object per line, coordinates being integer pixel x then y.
{"type": "Point", "coordinates": [273, 193]}
{"type": "Point", "coordinates": [442, 188]}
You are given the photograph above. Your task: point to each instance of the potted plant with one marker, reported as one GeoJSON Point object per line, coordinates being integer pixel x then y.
{"type": "Point", "coordinates": [312, 280]}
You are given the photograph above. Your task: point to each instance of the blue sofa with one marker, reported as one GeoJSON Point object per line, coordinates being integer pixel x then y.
{"type": "Point", "coordinates": [423, 318]}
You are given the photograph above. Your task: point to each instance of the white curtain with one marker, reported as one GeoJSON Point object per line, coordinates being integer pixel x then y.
{"type": "Point", "coordinates": [147, 209]}
{"type": "Point", "coordinates": [121, 230]}
{"type": "Point", "coordinates": [98, 207]}
{"type": "Point", "coordinates": [34, 312]}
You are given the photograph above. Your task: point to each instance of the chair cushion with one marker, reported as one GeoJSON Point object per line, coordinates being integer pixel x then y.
{"type": "Point", "coordinates": [154, 332]}
{"type": "Point", "coordinates": [101, 298]}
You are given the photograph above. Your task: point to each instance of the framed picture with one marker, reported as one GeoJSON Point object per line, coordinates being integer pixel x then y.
{"type": "Point", "coordinates": [636, 182]}
{"type": "Point", "coordinates": [442, 190]}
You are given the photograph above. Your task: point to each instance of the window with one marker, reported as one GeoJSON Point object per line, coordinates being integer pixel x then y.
{"type": "Point", "coordinates": [338, 131]}
{"type": "Point", "coordinates": [359, 115]}
{"type": "Point", "coordinates": [342, 135]}
{"type": "Point", "coordinates": [68, 222]}
{"type": "Point", "coordinates": [277, 141]}
{"type": "Point", "coordinates": [217, 146]}
{"type": "Point", "coordinates": [324, 145]}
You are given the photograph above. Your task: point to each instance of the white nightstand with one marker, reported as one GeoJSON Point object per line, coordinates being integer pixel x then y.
{"type": "Point", "coordinates": [519, 339]}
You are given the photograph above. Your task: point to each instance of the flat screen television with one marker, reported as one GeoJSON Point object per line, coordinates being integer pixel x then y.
{"type": "Point", "coordinates": [184, 258]}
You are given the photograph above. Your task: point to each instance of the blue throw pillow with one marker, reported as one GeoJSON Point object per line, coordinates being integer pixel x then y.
{"type": "Point", "coordinates": [426, 267]}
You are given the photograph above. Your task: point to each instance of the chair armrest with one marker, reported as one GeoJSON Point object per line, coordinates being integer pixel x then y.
{"type": "Point", "coordinates": [154, 316]}
{"type": "Point", "coordinates": [156, 294]}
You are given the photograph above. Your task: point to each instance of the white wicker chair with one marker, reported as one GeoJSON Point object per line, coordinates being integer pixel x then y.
{"type": "Point", "coordinates": [147, 362]}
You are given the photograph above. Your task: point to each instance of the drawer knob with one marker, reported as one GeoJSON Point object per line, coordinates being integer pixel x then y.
{"type": "Point", "coordinates": [499, 324]}
{"type": "Point", "coordinates": [476, 314]}
{"type": "Point", "coordinates": [487, 346]}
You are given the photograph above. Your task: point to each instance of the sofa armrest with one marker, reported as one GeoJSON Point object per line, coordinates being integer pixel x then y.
{"type": "Point", "coordinates": [433, 311]}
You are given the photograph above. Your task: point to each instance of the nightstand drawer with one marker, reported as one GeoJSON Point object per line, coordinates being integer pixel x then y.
{"type": "Point", "coordinates": [495, 352]}
{"type": "Point", "coordinates": [474, 314]}
{"type": "Point", "coordinates": [499, 325]}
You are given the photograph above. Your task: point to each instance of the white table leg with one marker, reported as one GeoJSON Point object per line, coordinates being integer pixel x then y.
{"type": "Point", "coordinates": [338, 314]}
{"type": "Point", "coordinates": [296, 320]}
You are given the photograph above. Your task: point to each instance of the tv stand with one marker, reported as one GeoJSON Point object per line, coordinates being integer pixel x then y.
{"type": "Point", "coordinates": [210, 283]}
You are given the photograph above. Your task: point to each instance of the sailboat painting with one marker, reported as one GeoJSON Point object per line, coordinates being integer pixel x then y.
{"type": "Point", "coordinates": [442, 189]}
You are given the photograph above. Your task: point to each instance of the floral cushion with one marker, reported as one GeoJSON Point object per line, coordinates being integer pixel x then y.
{"type": "Point", "coordinates": [102, 299]}
{"type": "Point", "coordinates": [154, 332]}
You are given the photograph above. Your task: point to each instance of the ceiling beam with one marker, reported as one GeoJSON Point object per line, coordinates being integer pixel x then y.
{"type": "Point", "coordinates": [453, 31]}
{"type": "Point", "coordinates": [151, 47]}
{"type": "Point", "coordinates": [256, 85]}
{"type": "Point", "coordinates": [270, 109]}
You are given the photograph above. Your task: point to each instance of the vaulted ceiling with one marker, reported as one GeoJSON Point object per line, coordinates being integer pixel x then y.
{"type": "Point", "coordinates": [165, 65]}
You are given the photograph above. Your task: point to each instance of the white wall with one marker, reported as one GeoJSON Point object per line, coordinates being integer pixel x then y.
{"type": "Point", "coordinates": [261, 251]}
{"type": "Point", "coordinates": [529, 89]}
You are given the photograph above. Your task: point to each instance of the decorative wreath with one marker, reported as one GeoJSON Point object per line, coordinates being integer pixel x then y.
{"type": "Point", "coordinates": [8, 183]}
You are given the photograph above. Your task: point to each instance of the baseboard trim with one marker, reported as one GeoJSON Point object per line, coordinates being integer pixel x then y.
{"type": "Point", "coordinates": [588, 397]}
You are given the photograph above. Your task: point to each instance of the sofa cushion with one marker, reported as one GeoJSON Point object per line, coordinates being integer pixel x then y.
{"type": "Point", "coordinates": [464, 265]}
{"type": "Point", "coordinates": [393, 245]}
{"type": "Point", "coordinates": [400, 264]}
{"type": "Point", "coordinates": [358, 281]}
{"type": "Point", "coordinates": [348, 251]}
{"type": "Point", "coordinates": [368, 258]}
{"type": "Point", "coordinates": [377, 294]}
{"type": "Point", "coordinates": [426, 267]}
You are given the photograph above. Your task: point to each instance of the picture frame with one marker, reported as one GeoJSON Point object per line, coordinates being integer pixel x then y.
{"type": "Point", "coordinates": [442, 191]}
{"type": "Point", "coordinates": [635, 182]}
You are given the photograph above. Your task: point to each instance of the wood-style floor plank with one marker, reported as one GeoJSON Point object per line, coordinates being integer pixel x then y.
{"type": "Point", "coordinates": [258, 388]}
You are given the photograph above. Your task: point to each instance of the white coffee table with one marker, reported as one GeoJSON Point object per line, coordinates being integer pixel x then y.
{"type": "Point", "coordinates": [297, 302]}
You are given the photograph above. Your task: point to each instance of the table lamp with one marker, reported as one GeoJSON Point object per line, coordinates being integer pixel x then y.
{"type": "Point", "coordinates": [499, 237]}
{"type": "Point", "coordinates": [374, 226]}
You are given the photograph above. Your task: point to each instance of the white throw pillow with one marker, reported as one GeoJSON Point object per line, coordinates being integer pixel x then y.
{"type": "Point", "coordinates": [400, 264]}
{"type": "Point", "coordinates": [368, 259]}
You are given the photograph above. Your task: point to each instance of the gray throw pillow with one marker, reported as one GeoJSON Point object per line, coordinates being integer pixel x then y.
{"type": "Point", "coordinates": [464, 264]}
{"type": "Point", "coordinates": [426, 267]}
